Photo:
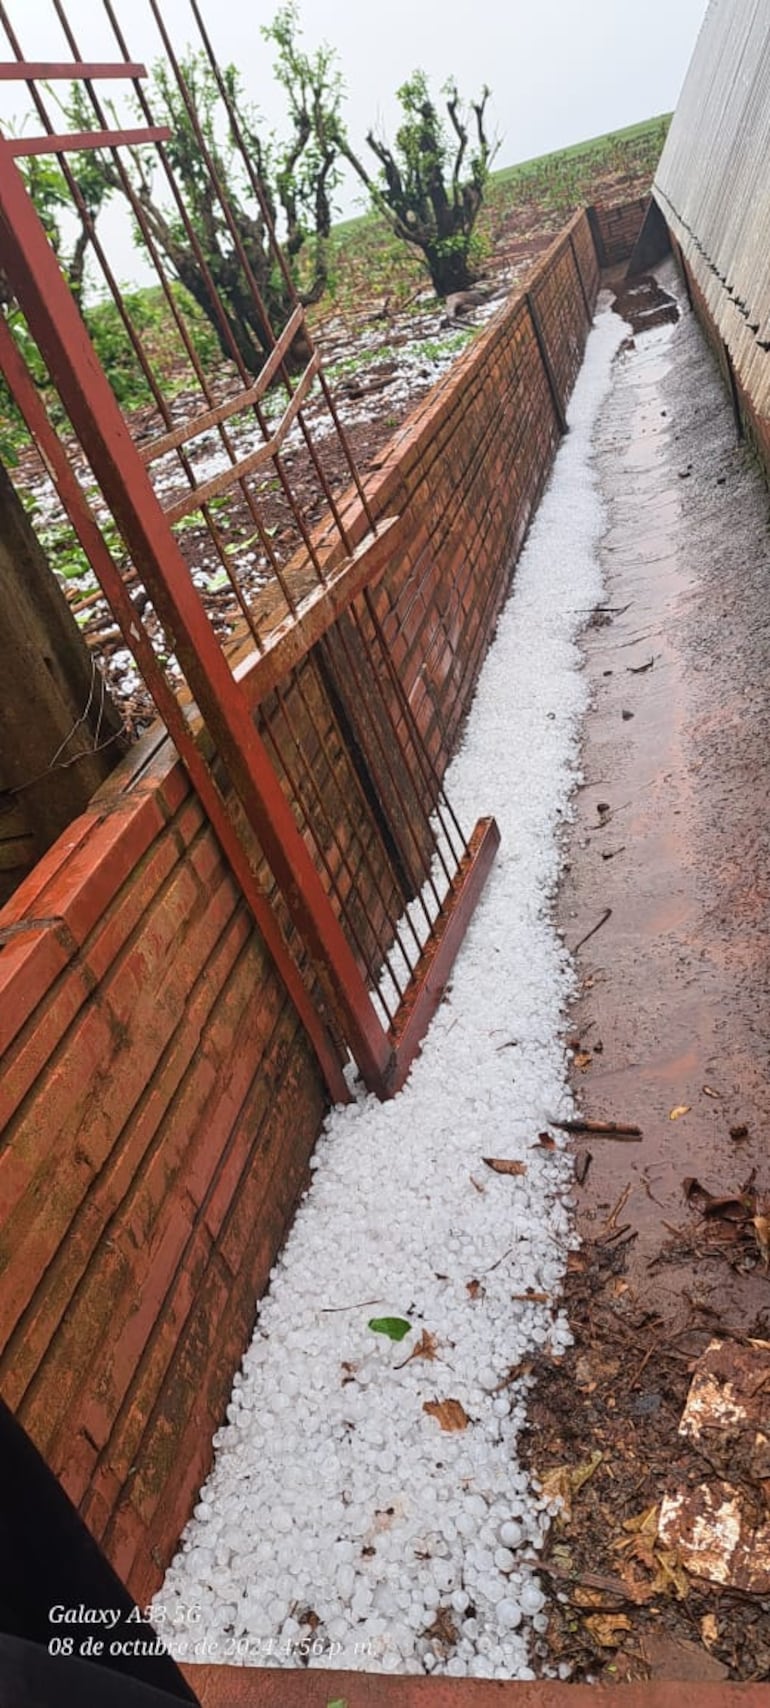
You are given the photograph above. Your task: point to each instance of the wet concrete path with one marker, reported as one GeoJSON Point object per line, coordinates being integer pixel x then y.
{"type": "Point", "coordinates": [672, 830]}
{"type": "Point", "coordinates": [669, 1031]}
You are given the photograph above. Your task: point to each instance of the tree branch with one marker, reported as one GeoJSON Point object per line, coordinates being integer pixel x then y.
{"type": "Point", "coordinates": [461, 131]}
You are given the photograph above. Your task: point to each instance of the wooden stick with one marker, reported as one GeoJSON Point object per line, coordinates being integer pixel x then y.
{"type": "Point", "coordinates": [600, 1129]}
{"type": "Point", "coordinates": [594, 928]}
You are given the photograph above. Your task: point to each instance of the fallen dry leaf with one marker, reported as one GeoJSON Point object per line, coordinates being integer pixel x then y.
{"type": "Point", "coordinates": [502, 1165]}
{"type": "Point", "coordinates": [449, 1414]}
{"type": "Point", "coordinates": [584, 1596]}
{"type": "Point", "coordinates": [426, 1348]}
{"type": "Point", "coordinates": [583, 1060]}
{"type": "Point", "coordinates": [563, 1482]}
{"type": "Point", "coordinates": [709, 1630]}
{"type": "Point", "coordinates": [546, 1142]}
{"type": "Point", "coordinates": [670, 1576]}
{"type": "Point", "coordinates": [762, 1231]}
{"type": "Point", "coordinates": [680, 1110]}
{"type": "Point", "coordinates": [523, 1368]}
{"type": "Point", "coordinates": [642, 1543]}
{"type": "Point", "coordinates": [443, 1630]}
{"type": "Point", "coordinates": [607, 1628]}
{"type": "Point", "coordinates": [643, 1524]}
{"type": "Point", "coordinates": [732, 1207]}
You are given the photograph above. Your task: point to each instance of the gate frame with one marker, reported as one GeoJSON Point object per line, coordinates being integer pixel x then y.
{"type": "Point", "coordinates": [383, 1057]}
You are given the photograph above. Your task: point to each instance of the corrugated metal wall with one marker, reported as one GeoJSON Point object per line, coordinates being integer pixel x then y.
{"type": "Point", "coordinates": [713, 182]}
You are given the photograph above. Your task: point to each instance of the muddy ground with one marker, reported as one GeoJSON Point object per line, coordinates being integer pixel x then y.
{"type": "Point", "coordinates": [667, 869]}
{"type": "Point", "coordinates": [384, 344]}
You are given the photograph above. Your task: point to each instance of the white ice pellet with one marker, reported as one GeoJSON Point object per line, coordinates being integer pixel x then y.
{"type": "Point", "coordinates": [333, 1489]}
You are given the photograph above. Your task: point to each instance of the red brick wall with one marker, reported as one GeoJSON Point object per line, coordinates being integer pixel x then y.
{"type": "Point", "coordinates": [159, 1105]}
{"type": "Point", "coordinates": [159, 1102]}
{"type": "Point", "coordinates": [616, 228]}
{"type": "Point", "coordinates": [470, 464]}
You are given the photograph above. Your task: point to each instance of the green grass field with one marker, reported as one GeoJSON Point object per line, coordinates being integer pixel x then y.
{"type": "Point", "coordinates": [637, 145]}
{"type": "Point", "coordinates": [641, 137]}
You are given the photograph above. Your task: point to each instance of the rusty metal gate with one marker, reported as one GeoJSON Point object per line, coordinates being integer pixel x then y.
{"type": "Point", "coordinates": [362, 924]}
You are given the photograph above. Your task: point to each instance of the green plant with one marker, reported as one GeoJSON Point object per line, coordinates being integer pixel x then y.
{"type": "Point", "coordinates": [208, 244]}
{"type": "Point", "coordinates": [396, 1328]}
{"type": "Point", "coordinates": [153, 320]}
{"type": "Point", "coordinates": [62, 547]}
{"type": "Point", "coordinates": [434, 349]}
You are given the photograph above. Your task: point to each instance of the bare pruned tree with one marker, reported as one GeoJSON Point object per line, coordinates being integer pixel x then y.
{"type": "Point", "coordinates": [431, 183]}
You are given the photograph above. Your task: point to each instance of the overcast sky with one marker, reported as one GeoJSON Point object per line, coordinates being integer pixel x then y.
{"type": "Point", "coordinates": [559, 70]}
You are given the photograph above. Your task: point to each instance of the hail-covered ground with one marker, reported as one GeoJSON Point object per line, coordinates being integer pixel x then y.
{"type": "Point", "coordinates": [366, 1507]}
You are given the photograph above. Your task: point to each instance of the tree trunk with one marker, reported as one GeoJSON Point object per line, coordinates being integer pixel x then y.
{"type": "Point", "coordinates": [450, 271]}
{"type": "Point", "coordinates": [54, 706]}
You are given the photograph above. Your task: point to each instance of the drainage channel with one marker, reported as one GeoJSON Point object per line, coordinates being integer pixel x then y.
{"type": "Point", "coordinates": [367, 1509]}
